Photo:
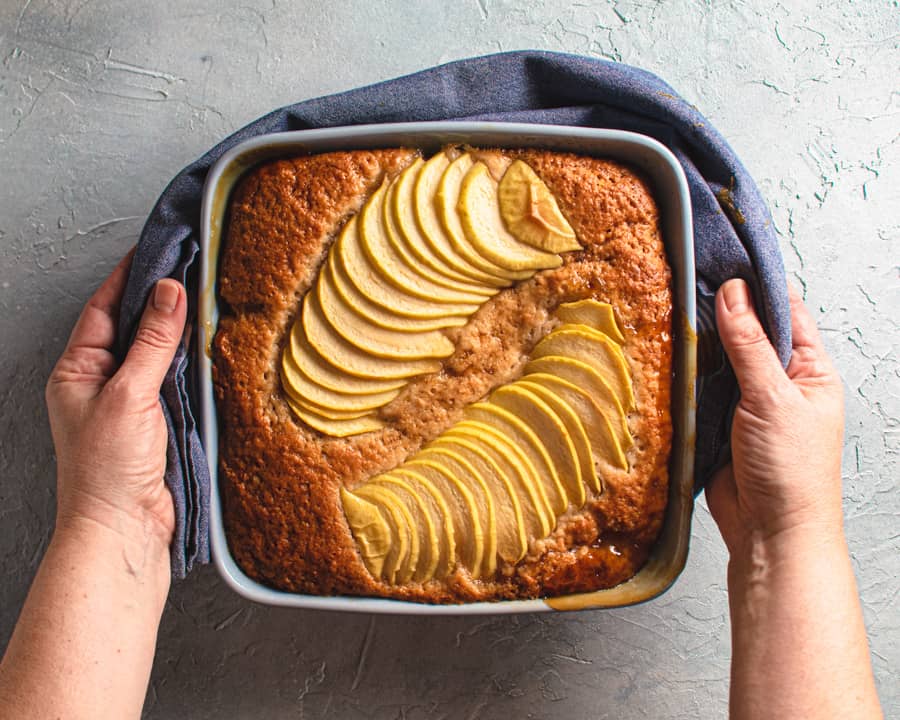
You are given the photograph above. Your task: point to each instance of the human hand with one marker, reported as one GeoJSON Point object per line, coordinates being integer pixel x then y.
{"type": "Point", "coordinates": [786, 439]}
{"type": "Point", "coordinates": [107, 423]}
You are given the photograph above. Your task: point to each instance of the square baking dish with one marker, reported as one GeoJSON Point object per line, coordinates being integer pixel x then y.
{"type": "Point", "coordinates": [670, 190]}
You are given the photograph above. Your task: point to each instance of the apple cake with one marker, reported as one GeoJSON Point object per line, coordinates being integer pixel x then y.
{"type": "Point", "coordinates": [443, 378]}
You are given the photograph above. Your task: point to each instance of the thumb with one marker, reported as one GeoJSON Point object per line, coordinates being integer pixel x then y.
{"type": "Point", "coordinates": [157, 338]}
{"type": "Point", "coordinates": [752, 356]}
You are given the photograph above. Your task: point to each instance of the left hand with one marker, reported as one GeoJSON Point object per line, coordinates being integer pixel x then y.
{"type": "Point", "coordinates": [107, 422]}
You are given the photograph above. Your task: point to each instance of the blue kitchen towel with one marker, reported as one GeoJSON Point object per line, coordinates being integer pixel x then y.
{"type": "Point", "coordinates": [733, 232]}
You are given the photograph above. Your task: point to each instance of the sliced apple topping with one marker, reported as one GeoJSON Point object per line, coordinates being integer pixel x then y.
{"type": "Point", "coordinates": [400, 524]}
{"type": "Point", "coordinates": [381, 253]}
{"type": "Point", "coordinates": [345, 356]}
{"type": "Point", "coordinates": [531, 213]}
{"type": "Point", "coordinates": [594, 348]}
{"type": "Point", "coordinates": [499, 479]}
{"type": "Point", "coordinates": [446, 202]}
{"type": "Point", "coordinates": [594, 314]}
{"type": "Point", "coordinates": [515, 471]}
{"type": "Point", "coordinates": [408, 237]}
{"type": "Point", "coordinates": [336, 428]}
{"type": "Point", "coordinates": [428, 225]}
{"type": "Point", "coordinates": [512, 539]}
{"type": "Point", "coordinates": [424, 519]}
{"type": "Point", "coordinates": [504, 411]}
{"type": "Point", "coordinates": [479, 212]}
{"type": "Point", "coordinates": [375, 340]}
{"type": "Point", "coordinates": [440, 512]}
{"type": "Point", "coordinates": [374, 314]}
{"type": "Point", "coordinates": [300, 353]}
{"type": "Point", "coordinates": [585, 377]}
{"type": "Point", "coordinates": [371, 530]}
{"type": "Point", "coordinates": [425, 251]}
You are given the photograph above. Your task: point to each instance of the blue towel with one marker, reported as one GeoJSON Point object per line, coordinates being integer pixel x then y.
{"type": "Point", "coordinates": [733, 231]}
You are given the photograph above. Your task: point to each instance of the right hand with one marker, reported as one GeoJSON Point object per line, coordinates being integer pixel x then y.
{"type": "Point", "coordinates": [786, 439]}
{"type": "Point", "coordinates": [107, 422]}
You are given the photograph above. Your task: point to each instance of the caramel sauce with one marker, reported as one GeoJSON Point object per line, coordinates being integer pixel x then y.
{"type": "Point", "coordinates": [610, 560]}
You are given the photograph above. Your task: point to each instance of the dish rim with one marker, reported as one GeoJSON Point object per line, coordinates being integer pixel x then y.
{"type": "Point", "coordinates": [670, 190]}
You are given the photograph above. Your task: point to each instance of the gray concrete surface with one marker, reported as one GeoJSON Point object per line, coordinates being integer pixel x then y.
{"type": "Point", "coordinates": [102, 101]}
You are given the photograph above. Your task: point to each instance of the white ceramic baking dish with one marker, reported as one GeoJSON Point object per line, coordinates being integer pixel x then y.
{"type": "Point", "coordinates": [671, 192]}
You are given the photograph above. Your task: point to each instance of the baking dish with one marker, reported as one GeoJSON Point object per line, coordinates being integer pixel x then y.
{"type": "Point", "coordinates": [671, 193]}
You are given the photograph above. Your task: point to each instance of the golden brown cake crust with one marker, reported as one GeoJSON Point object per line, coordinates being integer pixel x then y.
{"type": "Point", "coordinates": [280, 480]}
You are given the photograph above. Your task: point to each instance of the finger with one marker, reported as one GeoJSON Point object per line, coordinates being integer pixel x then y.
{"type": "Point", "coordinates": [158, 335]}
{"type": "Point", "coordinates": [96, 326]}
{"type": "Point", "coordinates": [804, 332]}
{"type": "Point", "coordinates": [752, 356]}
{"type": "Point", "coordinates": [809, 357]}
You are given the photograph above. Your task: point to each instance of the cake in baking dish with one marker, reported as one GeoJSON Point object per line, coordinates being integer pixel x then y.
{"type": "Point", "coordinates": [443, 378]}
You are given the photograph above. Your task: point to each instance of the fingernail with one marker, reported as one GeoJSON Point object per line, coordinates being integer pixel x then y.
{"type": "Point", "coordinates": [736, 295]}
{"type": "Point", "coordinates": [165, 297]}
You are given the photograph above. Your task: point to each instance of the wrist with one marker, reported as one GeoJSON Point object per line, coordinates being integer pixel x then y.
{"type": "Point", "coordinates": [130, 543]}
{"type": "Point", "coordinates": [152, 516]}
{"type": "Point", "coordinates": [762, 555]}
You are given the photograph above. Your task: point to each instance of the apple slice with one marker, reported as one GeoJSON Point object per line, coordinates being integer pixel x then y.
{"type": "Point", "coordinates": [353, 361]}
{"type": "Point", "coordinates": [323, 373]}
{"type": "Point", "coordinates": [400, 211]}
{"type": "Point", "coordinates": [585, 377]}
{"type": "Point", "coordinates": [595, 349]}
{"type": "Point", "coordinates": [405, 548]}
{"type": "Point", "coordinates": [377, 315]}
{"type": "Point", "coordinates": [446, 202]}
{"type": "Point", "coordinates": [412, 244]}
{"type": "Point", "coordinates": [325, 412]}
{"type": "Point", "coordinates": [431, 228]}
{"type": "Point", "coordinates": [576, 433]}
{"type": "Point", "coordinates": [596, 424]}
{"type": "Point", "coordinates": [464, 471]}
{"type": "Point", "coordinates": [523, 437]}
{"type": "Point", "coordinates": [515, 465]}
{"type": "Point", "coordinates": [480, 217]}
{"type": "Point", "coordinates": [530, 212]}
{"type": "Point", "coordinates": [467, 523]}
{"type": "Point", "coordinates": [423, 524]}
{"type": "Point", "coordinates": [375, 340]}
{"type": "Point", "coordinates": [550, 431]}
{"type": "Point", "coordinates": [512, 539]}
{"type": "Point", "coordinates": [316, 398]}
{"type": "Point", "coordinates": [440, 513]}
{"type": "Point", "coordinates": [370, 282]}
{"type": "Point", "coordinates": [335, 428]}
{"type": "Point", "coordinates": [593, 313]}
{"type": "Point", "coordinates": [370, 530]}
{"type": "Point", "coordinates": [382, 256]}
{"type": "Point", "coordinates": [297, 384]}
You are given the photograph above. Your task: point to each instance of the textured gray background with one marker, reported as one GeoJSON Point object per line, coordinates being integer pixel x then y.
{"type": "Point", "coordinates": [101, 102]}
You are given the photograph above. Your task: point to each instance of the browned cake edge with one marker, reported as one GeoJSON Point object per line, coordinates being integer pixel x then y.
{"type": "Point", "coordinates": [280, 480]}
